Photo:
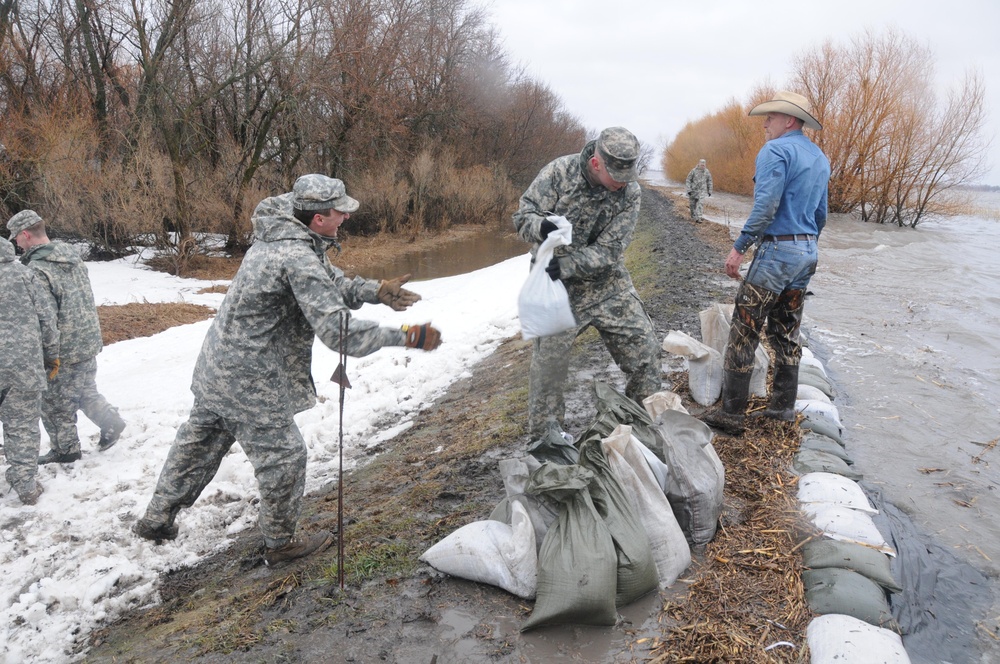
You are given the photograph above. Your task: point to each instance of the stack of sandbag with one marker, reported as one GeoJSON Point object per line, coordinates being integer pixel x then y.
{"type": "Point", "coordinates": [847, 579]}
{"type": "Point", "coordinates": [704, 366]}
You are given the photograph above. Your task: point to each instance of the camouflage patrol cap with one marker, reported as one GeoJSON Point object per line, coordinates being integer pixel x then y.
{"type": "Point", "coordinates": [319, 192]}
{"type": "Point", "coordinates": [21, 220]}
{"type": "Point", "coordinates": [619, 148]}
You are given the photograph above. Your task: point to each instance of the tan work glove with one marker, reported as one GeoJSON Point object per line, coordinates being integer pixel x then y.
{"type": "Point", "coordinates": [52, 367]}
{"type": "Point", "coordinates": [423, 336]}
{"type": "Point", "coordinates": [391, 292]}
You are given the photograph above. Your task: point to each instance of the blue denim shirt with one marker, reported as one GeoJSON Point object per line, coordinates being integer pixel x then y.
{"type": "Point", "coordinates": [790, 190]}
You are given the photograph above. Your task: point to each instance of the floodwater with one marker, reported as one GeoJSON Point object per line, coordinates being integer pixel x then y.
{"type": "Point", "coordinates": [459, 257]}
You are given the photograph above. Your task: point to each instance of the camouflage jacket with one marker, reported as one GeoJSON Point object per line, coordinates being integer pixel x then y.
{"type": "Point", "coordinates": [28, 332]}
{"type": "Point", "coordinates": [593, 267]}
{"type": "Point", "coordinates": [255, 362]}
{"type": "Point", "coordinates": [699, 182]}
{"type": "Point", "coordinates": [62, 270]}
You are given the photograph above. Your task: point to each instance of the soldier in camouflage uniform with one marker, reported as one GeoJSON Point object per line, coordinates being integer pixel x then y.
{"type": "Point", "coordinates": [253, 373]}
{"type": "Point", "coordinates": [60, 267]}
{"type": "Point", "coordinates": [596, 190]}
{"type": "Point", "coordinates": [699, 185]}
{"type": "Point", "coordinates": [29, 346]}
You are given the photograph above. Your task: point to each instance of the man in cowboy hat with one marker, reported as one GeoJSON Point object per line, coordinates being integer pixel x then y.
{"type": "Point", "coordinates": [789, 212]}
{"type": "Point", "coordinates": [597, 191]}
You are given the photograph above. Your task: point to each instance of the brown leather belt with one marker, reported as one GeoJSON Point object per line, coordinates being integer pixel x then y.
{"type": "Point", "coordinates": [788, 238]}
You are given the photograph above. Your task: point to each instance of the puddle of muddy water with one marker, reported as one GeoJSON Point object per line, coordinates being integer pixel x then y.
{"type": "Point", "coordinates": [458, 257]}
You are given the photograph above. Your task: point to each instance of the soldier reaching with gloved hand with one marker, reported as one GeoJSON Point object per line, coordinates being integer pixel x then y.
{"type": "Point", "coordinates": [253, 373]}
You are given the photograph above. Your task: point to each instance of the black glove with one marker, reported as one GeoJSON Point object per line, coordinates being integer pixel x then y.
{"type": "Point", "coordinates": [546, 228]}
{"type": "Point", "coordinates": [553, 269]}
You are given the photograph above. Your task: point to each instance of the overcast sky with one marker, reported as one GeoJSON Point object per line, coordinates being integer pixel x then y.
{"type": "Point", "coordinates": [653, 65]}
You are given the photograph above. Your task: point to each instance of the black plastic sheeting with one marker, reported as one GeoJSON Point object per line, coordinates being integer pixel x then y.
{"type": "Point", "coordinates": [943, 598]}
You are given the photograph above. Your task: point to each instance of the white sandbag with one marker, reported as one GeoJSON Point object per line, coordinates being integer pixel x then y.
{"type": "Point", "coordinates": [543, 304]}
{"type": "Point", "coordinates": [715, 326]}
{"type": "Point", "coordinates": [819, 408]}
{"type": "Point", "coordinates": [697, 476]}
{"type": "Point", "coordinates": [834, 490]}
{"type": "Point", "coordinates": [704, 366]}
{"type": "Point", "coordinates": [542, 511]}
{"type": "Point", "coordinates": [666, 539]}
{"type": "Point", "coordinates": [816, 377]}
{"type": "Point", "coordinates": [491, 552]}
{"type": "Point", "coordinates": [840, 639]}
{"type": "Point", "coordinates": [810, 393]}
{"type": "Point", "coordinates": [661, 401]}
{"type": "Point", "coordinates": [847, 525]}
{"type": "Point", "coordinates": [810, 360]}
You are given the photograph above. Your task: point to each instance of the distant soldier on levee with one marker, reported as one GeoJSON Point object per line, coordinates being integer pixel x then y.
{"type": "Point", "coordinates": [253, 373]}
{"type": "Point", "coordinates": [699, 187]}
{"type": "Point", "coordinates": [29, 348]}
{"type": "Point", "coordinates": [60, 267]}
{"type": "Point", "coordinates": [597, 192]}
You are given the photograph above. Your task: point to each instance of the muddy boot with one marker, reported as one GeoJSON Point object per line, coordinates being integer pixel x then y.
{"type": "Point", "coordinates": [783, 390]}
{"type": "Point", "coordinates": [29, 492]}
{"type": "Point", "coordinates": [52, 456]}
{"type": "Point", "coordinates": [112, 433]}
{"type": "Point", "coordinates": [298, 548]}
{"type": "Point", "coordinates": [728, 415]}
{"type": "Point", "coordinates": [155, 532]}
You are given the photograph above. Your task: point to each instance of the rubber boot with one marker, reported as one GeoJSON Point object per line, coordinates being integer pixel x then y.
{"type": "Point", "coordinates": [729, 414]}
{"type": "Point", "coordinates": [784, 387]}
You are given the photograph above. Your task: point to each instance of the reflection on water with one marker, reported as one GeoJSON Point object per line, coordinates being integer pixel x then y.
{"type": "Point", "coordinates": [458, 257]}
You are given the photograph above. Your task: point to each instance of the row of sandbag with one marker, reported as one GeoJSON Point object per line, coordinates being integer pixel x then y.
{"type": "Point", "coordinates": [847, 576]}
{"type": "Point", "coordinates": [589, 527]}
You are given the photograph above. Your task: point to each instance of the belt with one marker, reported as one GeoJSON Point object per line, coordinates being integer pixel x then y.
{"type": "Point", "coordinates": [788, 238]}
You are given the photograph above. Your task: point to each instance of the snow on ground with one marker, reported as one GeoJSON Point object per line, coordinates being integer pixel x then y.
{"type": "Point", "coordinates": [70, 562]}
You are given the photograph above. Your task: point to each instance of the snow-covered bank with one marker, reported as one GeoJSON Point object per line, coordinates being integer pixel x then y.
{"type": "Point", "coordinates": [71, 562]}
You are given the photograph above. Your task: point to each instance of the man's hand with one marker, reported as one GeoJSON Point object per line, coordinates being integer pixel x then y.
{"type": "Point", "coordinates": [733, 262]}
{"type": "Point", "coordinates": [423, 336]}
{"type": "Point", "coordinates": [52, 367]}
{"type": "Point", "coordinates": [555, 272]}
{"type": "Point", "coordinates": [391, 293]}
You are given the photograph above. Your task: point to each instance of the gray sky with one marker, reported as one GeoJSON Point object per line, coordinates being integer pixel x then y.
{"type": "Point", "coordinates": [654, 65]}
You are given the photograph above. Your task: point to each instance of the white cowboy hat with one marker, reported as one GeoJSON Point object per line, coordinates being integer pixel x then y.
{"type": "Point", "coordinates": [789, 103]}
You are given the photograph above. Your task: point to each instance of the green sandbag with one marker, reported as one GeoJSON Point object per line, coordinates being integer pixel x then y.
{"type": "Point", "coordinates": [824, 553]}
{"type": "Point", "coordinates": [821, 425]}
{"type": "Point", "coordinates": [614, 408]}
{"type": "Point", "coordinates": [637, 574]}
{"type": "Point", "coordinates": [577, 573]}
{"type": "Point", "coordinates": [811, 461]}
{"type": "Point", "coordinates": [821, 443]}
{"type": "Point", "coordinates": [553, 447]}
{"type": "Point", "coordinates": [848, 593]}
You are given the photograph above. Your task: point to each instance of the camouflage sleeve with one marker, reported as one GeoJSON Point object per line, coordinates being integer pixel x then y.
{"type": "Point", "coordinates": [322, 302]}
{"type": "Point", "coordinates": [45, 307]}
{"type": "Point", "coordinates": [608, 248]}
{"type": "Point", "coordinates": [689, 182]}
{"type": "Point", "coordinates": [537, 202]}
{"type": "Point", "coordinates": [358, 291]}
{"type": "Point", "coordinates": [708, 175]}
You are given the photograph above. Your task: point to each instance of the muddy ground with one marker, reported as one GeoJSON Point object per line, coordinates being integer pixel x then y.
{"type": "Point", "coordinates": [419, 486]}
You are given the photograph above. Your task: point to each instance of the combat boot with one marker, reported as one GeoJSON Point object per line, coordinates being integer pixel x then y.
{"type": "Point", "coordinates": [110, 435]}
{"type": "Point", "coordinates": [730, 413]}
{"type": "Point", "coordinates": [784, 387]}
{"type": "Point", "coordinates": [30, 492]}
{"type": "Point", "coordinates": [155, 532]}
{"type": "Point", "coordinates": [53, 456]}
{"type": "Point", "coordinates": [298, 548]}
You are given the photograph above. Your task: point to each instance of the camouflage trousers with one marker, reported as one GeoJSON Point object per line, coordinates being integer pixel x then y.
{"type": "Point", "coordinates": [782, 313]}
{"type": "Point", "coordinates": [278, 456]}
{"type": "Point", "coordinates": [19, 410]}
{"type": "Point", "coordinates": [697, 206]}
{"type": "Point", "coordinates": [74, 388]}
{"type": "Point", "coordinates": [628, 335]}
